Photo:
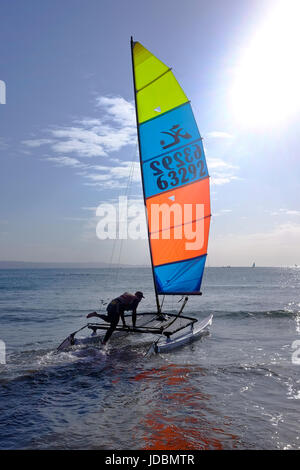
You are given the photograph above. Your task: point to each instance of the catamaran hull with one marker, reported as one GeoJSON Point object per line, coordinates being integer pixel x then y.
{"type": "Point", "coordinates": [195, 332]}
{"type": "Point", "coordinates": [184, 335]}
{"type": "Point", "coordinates": [97, 336]}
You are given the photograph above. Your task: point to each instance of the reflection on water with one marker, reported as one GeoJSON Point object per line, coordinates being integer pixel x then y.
{"type": "Point", "coordinates": [180, 418]}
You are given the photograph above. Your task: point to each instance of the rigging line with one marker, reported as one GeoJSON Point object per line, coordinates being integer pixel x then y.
{"type": "Point", "coordinates": [113, 275]}
{"type": "Point", "coordinates": [127, 192]}
{"type": "Point", "coordinates": [178, 314]}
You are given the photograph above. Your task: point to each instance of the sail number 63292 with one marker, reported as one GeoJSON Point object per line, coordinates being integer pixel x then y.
{"type": "Point", "coordinates": [179, 168]}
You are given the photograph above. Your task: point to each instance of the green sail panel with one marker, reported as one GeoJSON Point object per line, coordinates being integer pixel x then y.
{"type": "Point", "coordinates": [157, 89]}
{"type": "Point", "coordinates": [147, 66]}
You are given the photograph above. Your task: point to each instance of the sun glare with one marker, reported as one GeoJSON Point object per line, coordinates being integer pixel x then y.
{"type": "Point", "coordinates": [266, 87]}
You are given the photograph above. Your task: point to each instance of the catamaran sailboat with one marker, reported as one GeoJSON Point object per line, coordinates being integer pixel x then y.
{"type": "Point", "coordinates": [174, 179]}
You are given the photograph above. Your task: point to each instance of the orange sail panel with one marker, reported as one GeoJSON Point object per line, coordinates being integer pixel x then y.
{"type": "Point", "coordinates": [174, 174]}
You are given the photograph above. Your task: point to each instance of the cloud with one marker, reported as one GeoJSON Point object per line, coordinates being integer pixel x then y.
{"type": "Point", "coordinates": [217, 163]}
{"type": "Point", "coordinates": [96, 176]}
{"type": "Point", "coordinates": [95, 137]}
{"type": "Point", "coordinates": [286, 212]}
{"type": "Point", "coordinates": [219, 135]}
{"type": "Point", "coordinates": [91, 137]}
{"type": "Point", "coordinates": [128, 169]}
{"type": "Point", "coordinates": [114, 177]}
{"type": "Point", "coordinates": [93, 209]}
{"type": "Point", "coordinates": [218, 150]}
{"type": "Point", "coordinates": [119, 109]}
{"type": "Point", "coordinates": [3, 144]}
{"type": "Point", "coordinates": [219, 180]}
{"type": "Point", "coordinates": [221, 172]}
{"type": "Point", "coordinates": [222, 212]}
{"type": "Point", "coordinates": [66, 161]}
{"type": "Point", "coordinates": [71, 146]}
{"type": "Point", "coordinates": [37, 142]}
{"type": "Point", "coordinates": [80, 142]}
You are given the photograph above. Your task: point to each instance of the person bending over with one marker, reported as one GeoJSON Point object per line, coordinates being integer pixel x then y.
{"type": "Point", "coordinates": [116, 309]}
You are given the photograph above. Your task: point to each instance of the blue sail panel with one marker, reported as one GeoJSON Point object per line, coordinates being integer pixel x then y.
{"type": "Point", "coordinates": [180, 277]}
{"type": "Point", "coordinates": [167, 132]}
{"type": "Point", "coordinates": [172, 153]}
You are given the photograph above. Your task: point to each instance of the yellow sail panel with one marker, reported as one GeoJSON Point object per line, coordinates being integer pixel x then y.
{"type": "Point", "coordinates": [160, 96]}
{"type": "Point", "coordinates": [146, 66]}
{"type": "Point", "coordinates": [157, 89]}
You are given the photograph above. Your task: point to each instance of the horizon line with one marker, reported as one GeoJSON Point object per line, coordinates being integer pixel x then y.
{"type": "Point", "coordinates": [103, 264]}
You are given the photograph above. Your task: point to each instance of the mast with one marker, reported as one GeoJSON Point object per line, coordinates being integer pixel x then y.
{"type": "Point", "coordinates": [142, 176]}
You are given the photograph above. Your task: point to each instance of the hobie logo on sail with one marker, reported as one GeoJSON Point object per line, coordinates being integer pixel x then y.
{"type": "Point", "coordinates": [176, 133]}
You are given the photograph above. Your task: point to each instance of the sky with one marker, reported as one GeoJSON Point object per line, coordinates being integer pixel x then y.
{"type": "Point", "coordinates": [68, 135]}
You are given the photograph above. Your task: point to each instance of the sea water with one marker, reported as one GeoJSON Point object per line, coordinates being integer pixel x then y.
{"type": "Point", "coordinates": [236, 388]}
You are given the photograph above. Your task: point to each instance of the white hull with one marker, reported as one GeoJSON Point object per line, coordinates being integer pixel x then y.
{"type": "Point", "coordinates": [98, 336]}
{"type": "Point", "coordinates": [195, 331]}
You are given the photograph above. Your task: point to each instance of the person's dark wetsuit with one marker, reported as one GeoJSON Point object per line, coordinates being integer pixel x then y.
{"type": "Point", "coordinates": [116, 309]}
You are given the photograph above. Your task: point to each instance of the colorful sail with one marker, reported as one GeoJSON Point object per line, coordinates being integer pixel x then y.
{"type": "Point", "coordinates": [174, 175]}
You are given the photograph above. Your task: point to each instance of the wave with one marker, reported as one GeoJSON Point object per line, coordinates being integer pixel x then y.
{"type": "Point", "coordinates": [36, 363]}
{"type": "Point", "coordinates": [282, 313]}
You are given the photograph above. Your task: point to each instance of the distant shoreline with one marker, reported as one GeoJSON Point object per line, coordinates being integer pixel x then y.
{"type": "Point", "coordinates": [49, 265]}
{"type": "Point", "coordinates": [61, 265]}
